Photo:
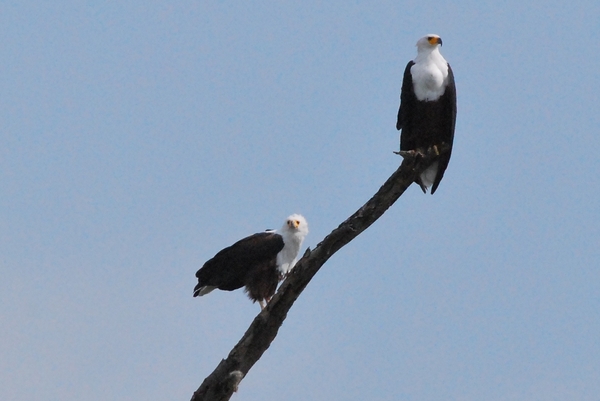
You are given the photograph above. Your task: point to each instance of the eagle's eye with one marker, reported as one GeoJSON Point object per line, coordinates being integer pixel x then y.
{"type": "Point", "coordinates": [297, 222]}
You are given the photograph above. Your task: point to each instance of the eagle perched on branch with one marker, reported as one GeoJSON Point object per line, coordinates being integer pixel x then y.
{"type": "Point", "coordinates": [427, 113]}
{"type": "Point", "coordinates": [257, 262]}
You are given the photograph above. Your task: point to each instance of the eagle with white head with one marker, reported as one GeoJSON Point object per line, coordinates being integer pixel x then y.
{"type": "Point", "coordinates": [257, 262]}
{"type": "Point", "coordinates": [427, 114]}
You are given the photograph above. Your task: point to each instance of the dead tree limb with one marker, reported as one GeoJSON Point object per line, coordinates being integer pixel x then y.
{"type": "Point", "coordinates": [224, 380]}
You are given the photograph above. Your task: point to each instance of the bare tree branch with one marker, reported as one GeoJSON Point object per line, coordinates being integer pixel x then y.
{"type": "Point", "coordinates": [224, 380]}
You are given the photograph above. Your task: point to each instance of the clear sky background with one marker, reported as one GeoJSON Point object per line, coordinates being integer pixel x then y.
{"type": "Point", "coordinates": [139, 138]}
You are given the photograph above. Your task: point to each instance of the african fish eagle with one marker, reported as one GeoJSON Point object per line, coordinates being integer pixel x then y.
{"type": "Point", "coordinates": [427, 114]}
{"type": "Point", "coordinates": [257, 262]}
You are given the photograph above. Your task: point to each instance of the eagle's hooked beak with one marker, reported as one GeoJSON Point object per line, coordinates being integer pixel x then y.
{"type": "Point", "coordinates": [293, 223]}
{"type": "Point", "coordinates": [435, 40]}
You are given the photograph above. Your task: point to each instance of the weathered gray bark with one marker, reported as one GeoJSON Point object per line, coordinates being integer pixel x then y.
{"type": "Point", "coordinates": [224, 380]}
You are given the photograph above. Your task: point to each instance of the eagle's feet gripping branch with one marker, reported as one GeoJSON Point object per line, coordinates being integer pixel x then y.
{"type": "Point", "coordinates": [425, 162]}
{"type": "Point", "coordinates": [407, 153]}
{"type": "Point", "coordinates": [432, 152]}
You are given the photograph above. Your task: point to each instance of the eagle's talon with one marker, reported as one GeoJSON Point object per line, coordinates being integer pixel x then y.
{"type": "Point", "coordinates": [407, 153]}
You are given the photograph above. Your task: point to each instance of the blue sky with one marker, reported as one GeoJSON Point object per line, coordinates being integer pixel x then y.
{"type": "Point", "coordinates": [138, 139]}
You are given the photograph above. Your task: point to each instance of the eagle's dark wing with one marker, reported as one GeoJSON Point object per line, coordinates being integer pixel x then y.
{"type": "Point", "coordinates": [446, 132]}
{"type": "Point", "coordinates": [407, 98]}
{"type": "Point", "coordinates": [229, 268]}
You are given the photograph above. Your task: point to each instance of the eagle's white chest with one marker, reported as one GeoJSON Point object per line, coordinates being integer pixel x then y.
{"type": "Point", "coordinates": [430, 76]}
{"type": "Point", "coordinates": [286, 258]}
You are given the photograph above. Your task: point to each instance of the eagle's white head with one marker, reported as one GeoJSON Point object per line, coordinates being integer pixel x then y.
{"type": "Point", "coordinates": [296, 223]}
{"type": "Point", "coordinates": [431, 41]}
{"type": "Point", "coordinates": [293, 232]}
